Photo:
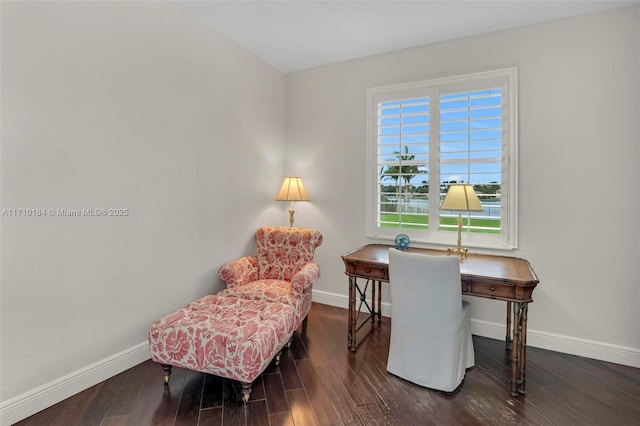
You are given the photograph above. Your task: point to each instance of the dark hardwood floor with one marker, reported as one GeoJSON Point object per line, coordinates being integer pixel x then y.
{"type": "Point", "coordinates": [320, 382]}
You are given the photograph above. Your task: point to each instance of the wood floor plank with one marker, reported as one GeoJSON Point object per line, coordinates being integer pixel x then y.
{"type": "Point", "coordinates": [282, 418]}
{"type": "Point", "coordinates": [124, 402]}
{"type": "Point", "coordinates": [600, 372]}
{"type": "Point", "coordinates": [211, 417]}
{"type": "Point", "coordinates": [405, 401]}
{"type": "Point", "coordinates": [76, 407]}
{"type": "Point", "coordinates": [190, 402]}
{"type": "Point", "coordinates": [274, 390]}
{"type": "Point", "coordinates": [257, 413]}
{"type": "Point", "coordinates": [301, 409]}
{"type": "Point", "coordinates": [372, 415]}
{"type": "Point", "coordinates": [353, 383]}
{"type": "Point", "coordinates": [343, 404]}
{"type": "Point", "coordinates": [298, 350]}
{"type": "Point", "coordinates": [153, 395]}
{"type": "Point", "coordinates": [167, 407]}
{"type": "Point", "coordinates": [115, 421]}
{"type": "Point", "coordinates": [315, 342]}
{"type": "Point", "coordinates": [289, 372]}
{"type": "Point", "coordinates": [317, 394]}
{"type": "Point", "coordinates": [104, 398]}
{"type": "Point", "coordinates": [374, 380]}
{"type": "Point", "coordinates": [233, 414]}
{"type": "Point", "coordinates": [213, 392]}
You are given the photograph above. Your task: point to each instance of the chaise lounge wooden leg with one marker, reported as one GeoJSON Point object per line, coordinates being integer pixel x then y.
{"type": "Point", "coordinates": [288, 345]}
{"type": "Point", "coordinates": [166, 372]}
{"type": "Point", "coordinates": [278, 356]}
{"type": "Point", "coordinates": [246, 391]}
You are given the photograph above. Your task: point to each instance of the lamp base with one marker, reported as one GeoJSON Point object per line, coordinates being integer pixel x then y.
{"type": "Point", "coordinates": [459, 251]}
{"type": "Point", "coordinates": [291, 219]}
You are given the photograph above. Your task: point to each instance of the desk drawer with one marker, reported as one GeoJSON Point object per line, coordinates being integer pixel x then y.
{"type": "Point", "coordinates": [368, 271]}
{"type": "Point", "coordinates": [490, 289]}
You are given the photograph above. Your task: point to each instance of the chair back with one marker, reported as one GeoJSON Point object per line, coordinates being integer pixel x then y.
{"type": "Point", "coordinates": [283, 251]}
{"type": "Point", "coordinates": [425, 291]}
{"type": "Point", "coordinates": [431, 343]}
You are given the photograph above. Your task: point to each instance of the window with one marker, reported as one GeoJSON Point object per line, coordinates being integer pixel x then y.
{"type": "Point", "coordinates": [424, 136]}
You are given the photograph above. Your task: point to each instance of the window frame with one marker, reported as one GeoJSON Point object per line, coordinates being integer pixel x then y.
{"type": "Point", "coordinates": [506, 79]}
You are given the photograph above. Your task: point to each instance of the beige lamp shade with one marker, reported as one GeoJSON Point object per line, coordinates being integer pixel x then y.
{"type": "Point", "coordinates": [461, 197]}
{"type": "Point", "coordinates": [292, 190]}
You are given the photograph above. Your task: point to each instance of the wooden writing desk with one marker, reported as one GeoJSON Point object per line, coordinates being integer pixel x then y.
{"type": "Point", "coordinates": [494, 277]}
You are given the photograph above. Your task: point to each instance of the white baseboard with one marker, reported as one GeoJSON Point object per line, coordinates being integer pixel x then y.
{"type": "Point", "coordinates": [540, 339]}
{"type": "Point", "coordinates": [566, 344]}
{"type": "Point", "coordinates": [35, 400]}
{"type": "Point", "coordinates": [342, 301]}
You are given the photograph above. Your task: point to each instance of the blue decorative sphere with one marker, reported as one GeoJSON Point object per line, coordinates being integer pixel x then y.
{"type": "Point", "coordinates": [402, 241]}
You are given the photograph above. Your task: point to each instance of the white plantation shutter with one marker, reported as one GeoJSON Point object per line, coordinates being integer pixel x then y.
{"type": "Point", "coordinates": [471, 134]}
{"type": "Point", "coordinates": [470, 140]}
{"type": "Point", "coordinates": [422, 137]}
{"type": "Point", "coordinates": [403, 160]}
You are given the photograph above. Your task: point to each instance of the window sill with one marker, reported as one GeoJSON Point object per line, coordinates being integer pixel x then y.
{"type": "Point", "coordinates": [477, 248]}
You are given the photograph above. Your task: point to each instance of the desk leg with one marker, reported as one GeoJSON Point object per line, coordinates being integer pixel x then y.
{"type": "Point", "coordinates": [519, 349]}
{"type": "Point", "coordinates": [351, 338]}
{"type": "Point", "coordinates": [376, 303]}
{"type": "Point", "coordinates": [507, 340]}
{"type": "Point", "coordinates": [373, 302]}
{"type": "Point", "coordinates": [523, 348]}
{"type": "Point", "coordinates": [379, 301]}
{"type": "Point", "coordinates": [515, 350]}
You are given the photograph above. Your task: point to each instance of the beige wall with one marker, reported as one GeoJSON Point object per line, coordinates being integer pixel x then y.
{"type": "Point", "coordinates": [578, 174]}
{"type": "Point", "coordinates": [123, 105]}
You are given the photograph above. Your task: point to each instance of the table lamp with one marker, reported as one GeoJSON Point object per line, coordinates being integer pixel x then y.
{"type": "Point", "coordinates": [461, 197]}
{"type": "Point", "coordinates": [292, 190]}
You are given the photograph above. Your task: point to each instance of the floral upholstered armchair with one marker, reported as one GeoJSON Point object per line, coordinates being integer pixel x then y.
{"type": "Point", "coordinates": [283, 269]}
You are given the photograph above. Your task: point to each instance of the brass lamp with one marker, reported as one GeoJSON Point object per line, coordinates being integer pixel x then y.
{"type": "Point", "coordinates": [292, 190]}
{"type": "Point", "coordinates": [461, 197]}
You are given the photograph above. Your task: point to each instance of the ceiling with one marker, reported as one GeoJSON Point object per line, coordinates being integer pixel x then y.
{"type": "Point", "coordinates": [297, 34]}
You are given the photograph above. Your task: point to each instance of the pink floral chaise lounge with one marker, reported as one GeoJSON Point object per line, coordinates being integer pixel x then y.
{"type": "Point", "coordinates": [225, 336]}
{"type": "Point", "coordinates": [283, 269]}
{"type": "Point", "coordinates": [236, 333]}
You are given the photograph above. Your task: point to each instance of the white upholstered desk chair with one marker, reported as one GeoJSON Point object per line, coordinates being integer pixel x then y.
{"type": "Point", "coordinates": [431, 341]}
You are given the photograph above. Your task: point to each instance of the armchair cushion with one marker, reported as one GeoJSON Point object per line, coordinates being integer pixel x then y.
{"type": "Point", "coordinates": [266, 290]}
{"type": "Point", "coordinates": [278, 291]}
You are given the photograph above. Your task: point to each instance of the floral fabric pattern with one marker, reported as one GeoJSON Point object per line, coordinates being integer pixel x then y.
{"type": "Point", "coordinates": [240, 271]}
{"type": "Point", "coordinates": [282, 271]}
{"type": "Point", "coordinates": [225, 336]}
{"type": "Point", "coordinates": [273, 291]}
{"type": "Point", "coordinates": [267, 290]}
{"type": "Point", "coordinates": [302, 282]}
{"type": "Point", "coordinates": [282, 251]}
